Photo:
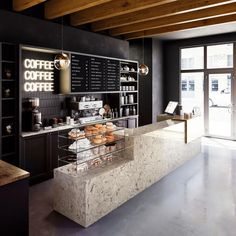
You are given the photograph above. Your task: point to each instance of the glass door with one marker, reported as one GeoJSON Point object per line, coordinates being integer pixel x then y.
{"type": "Point", "coordinates": [219, 107]}
{"type": "Point", "coordinates": [206, 75]}
{"type": "Point", "coordinates": [192, 91]}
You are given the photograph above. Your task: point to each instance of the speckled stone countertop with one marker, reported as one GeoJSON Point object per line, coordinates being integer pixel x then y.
{"type": "Point", "coordinates": [10, 173]}
{"type": "Point", "coordinates": [65, 127]}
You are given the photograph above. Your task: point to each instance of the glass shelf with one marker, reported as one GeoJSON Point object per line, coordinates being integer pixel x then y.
{"type": "Point", "coordinates": [80, 150]}
{"type": "Point", "coordinates": [128, 104]}
{"type": "Point", "coordinates": [74, 159]}
{"type": "Point", "coordinates": [66, 136]}
{"type": "Point", "coordinates": [91, 155]}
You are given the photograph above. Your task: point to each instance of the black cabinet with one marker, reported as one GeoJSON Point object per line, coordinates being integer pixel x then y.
{"type": "Point", "coordinates": [39, 156]}
{"type": "Point", "coordinates": [53, 150]}
{"type": "Point", "coordinates": [14, 205]}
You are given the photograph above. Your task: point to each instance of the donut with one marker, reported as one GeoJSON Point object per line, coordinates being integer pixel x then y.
{"type": "Point", "coordinates": [98, 126]}
{"type": "Point", "coordinates": [75, 133]}
{"type": "Point", "coordinates": [109, 124]}
{"type": "Point", "coordinates": [94, 130]}
{"type": "Point", "coordinates": [109, 128]}
{"type": "Point", "coordinates": [97, 140]}
{"type": "Point", "coordinates": [89, 128]}
{"type": "Point", "coordinates": [98, 136]}
{"type": "Point", "coordinates": [102, 130]}
{"type": "Point", "coordinates": [110, 138]}
{"type": "Point", "coordinates": [82, 135]}
{"type": "Point", "coordinates": [96, 162]}
{"type": "Point", "coordinates": [88, 133]}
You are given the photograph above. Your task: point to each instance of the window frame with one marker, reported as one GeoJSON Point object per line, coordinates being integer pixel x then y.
{"type": "Point", "coordinates": [206, 72]}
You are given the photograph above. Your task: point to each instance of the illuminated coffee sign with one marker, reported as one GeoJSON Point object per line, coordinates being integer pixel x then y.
{"type": "Point", "coordinates": [38, 75]}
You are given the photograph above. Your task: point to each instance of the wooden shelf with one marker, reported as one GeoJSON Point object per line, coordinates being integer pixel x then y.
{"type": "Point", "coordinates": [8, 154]}
{"type": "Point", "coordinates": [8, 80]}
{"type": "Point", "coordinates": [124, 82]}
{"type": "Point", "coordinates": [135, 91]}
{"type": "Point", "coordinates": [8, 135]}
{"type": "Point", "coordinates": [6, 61]}
{"type": "Point", "coordinates": [7, 99]}
{"type": "Point", "coordinates": [9, 113]}
{"type": "Point", "coordinates": [8, 117]}
{"type": "Point", "coordinates": [124, 71]}
{"type": "Point", "coordinates": [129, 104]}
{"type": "Point", "coordinates": [130, 116]}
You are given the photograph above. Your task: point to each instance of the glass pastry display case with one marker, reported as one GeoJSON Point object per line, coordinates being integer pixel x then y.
{"type": "Point", "coordinates": [90, 146]}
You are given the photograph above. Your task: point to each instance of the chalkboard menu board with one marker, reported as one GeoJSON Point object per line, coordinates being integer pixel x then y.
{"type": "Point", "coordinates": [113, 75]}
{"type": "Point", "coordinates": [79, 73]}
{"type": "Point", "coordinates": [97, 74]}
{"type": "Point", "coordinates": [94, 74]}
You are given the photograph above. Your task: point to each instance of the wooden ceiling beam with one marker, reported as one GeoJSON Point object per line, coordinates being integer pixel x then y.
{"type": "Point", "coordinates": [179, 27]}
{"type": "Point", "coordinates": [182, 6]}
{"type": "Point", "coordinates": [172, 20]}
{"type": "Point", "coordinates": [21, 5]}
{"type": "Point", "coordinates": [58, 8]}
{"type": "Point", "coordinates": [114, 8]}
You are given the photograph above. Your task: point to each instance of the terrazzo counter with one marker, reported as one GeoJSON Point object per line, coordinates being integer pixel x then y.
{"type": "Point", "coordinates": [151, 152]}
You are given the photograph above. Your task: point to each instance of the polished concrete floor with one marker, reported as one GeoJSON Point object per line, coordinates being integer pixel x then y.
{"type": "Point", "coordinates": [197, 199]}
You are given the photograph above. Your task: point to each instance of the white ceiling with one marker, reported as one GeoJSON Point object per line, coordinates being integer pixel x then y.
{"type": "Point", "coordinates": [199, 32]}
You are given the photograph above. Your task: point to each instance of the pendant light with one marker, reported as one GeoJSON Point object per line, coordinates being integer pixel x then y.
{"type": "Point", "coordinates": [61, 60]}
{"type": "Point", "coordinates": [143, 69]}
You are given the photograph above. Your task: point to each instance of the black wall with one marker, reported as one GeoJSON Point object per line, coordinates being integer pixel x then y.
{"type": "Point", "coordinates": [172, 61]}
{"type": "Point", "coordinates": [145, 83]}
{"type": "Point", "coordinates": [157, 78]}
{"type": "Point", "coordinates": [21, 29]}
{"type": "Point", "coordinates": [17, 28]}
{"type": "Point", "coordinates": [150, 86]}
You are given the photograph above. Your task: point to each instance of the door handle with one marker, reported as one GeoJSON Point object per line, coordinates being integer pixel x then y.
{"type": "Point", "coordinates": [230, 110]}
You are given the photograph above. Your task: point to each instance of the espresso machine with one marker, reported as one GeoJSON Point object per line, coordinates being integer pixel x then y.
{"type": "Point", "coordinates": [86, 110]}
{"type": "Point", "coordinates": [32, 120]}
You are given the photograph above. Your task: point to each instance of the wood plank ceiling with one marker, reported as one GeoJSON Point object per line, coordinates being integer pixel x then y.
{"type": "Point", "coordinates": [132, 19]}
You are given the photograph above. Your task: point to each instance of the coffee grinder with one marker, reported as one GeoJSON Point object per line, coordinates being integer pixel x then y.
{"type": "Point", "coordinates": [32, 116]}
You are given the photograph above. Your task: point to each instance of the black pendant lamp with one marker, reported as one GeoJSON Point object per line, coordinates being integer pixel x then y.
{"type": "Point", "coordinates": [143, 69]}
{"type": "Point", "coordinates": [61, 60]}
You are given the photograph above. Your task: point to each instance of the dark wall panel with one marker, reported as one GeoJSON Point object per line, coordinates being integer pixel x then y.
{"type": "Point", "coordinates": [145, 83]}
{"type": "Point", "coordinates": [17, 28]}
{"type": "Point", "coordinates": [157, 80]}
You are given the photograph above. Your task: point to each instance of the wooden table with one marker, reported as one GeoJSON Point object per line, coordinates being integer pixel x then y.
{"type": "Point", "coordinates": [190, 125]}
{"type": "Point", "coordinates": [10, 173]}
